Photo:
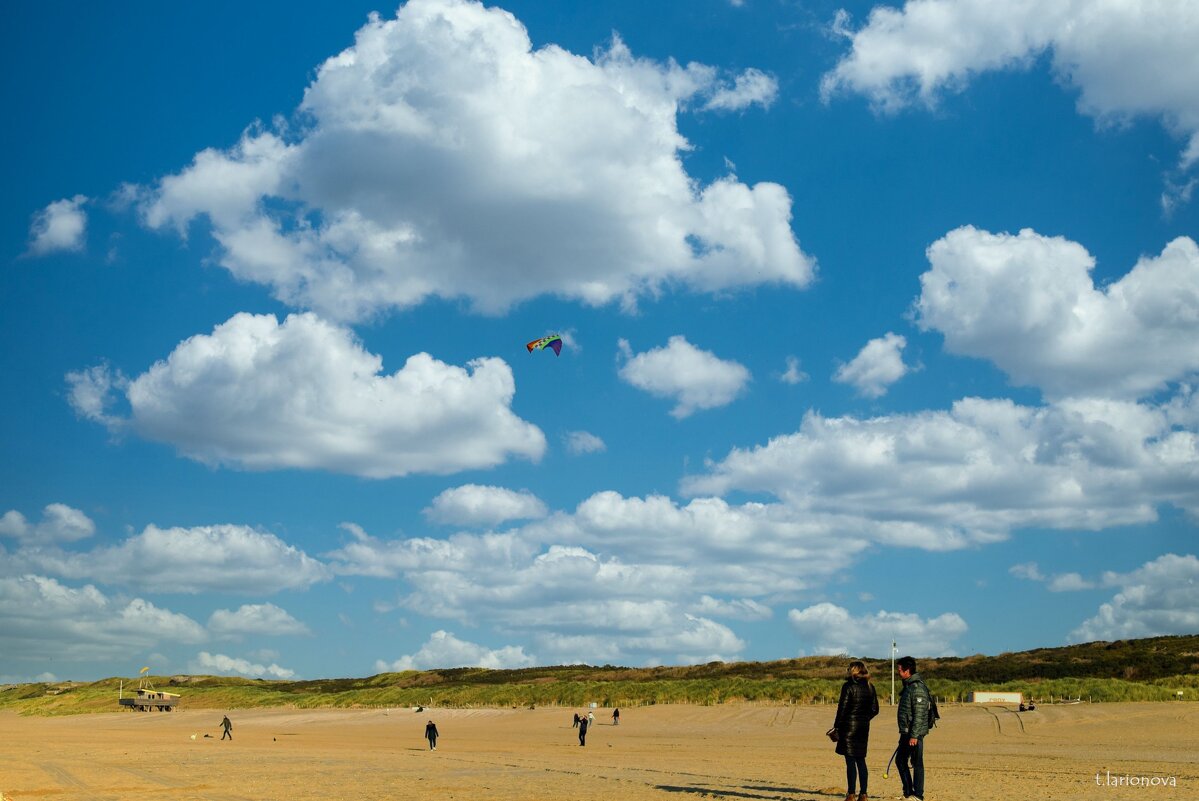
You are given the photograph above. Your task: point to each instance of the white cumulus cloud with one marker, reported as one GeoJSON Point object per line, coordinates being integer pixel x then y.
{"type": "Point", "coordinates": [696, 379]}
{"type": "Point", "coordinates": [1069, 582]}
{"type": "Point", "coordinates": [830, 629]}
{"type": "Point", "coordinates": [752, 87]}
{"type": "Point", "coordinates": [304, 393]}
{"type": "Point", "coordinates": [61, 226]}
{"type": "Point", "coordinates": [59, 523]}
{"type": "Point", "coordinates": [222, 558]}
{"type": "Point", "coordinates": [91, 394]}
{"type": "Point", "coordinates": [1160, 597]}
{"type": "Point", "coordinates": [973, 473]}
{"type": "Point", "coordinates": [1058, 582]}
{"type": "Point", "coordinates": [683, 639]}
{"type": "Point", "coordinates": [259, 619]}
{"type": "Point", "coordinates": [623, 580]}
{"type": "Point", "coordinates": [1125, 59]}
{"type": "Point", "coordinates": [527, 172]}
{"type": "Point", "coordinates": [207, 663]}
{"type": "Point", "coordinates": [736, 608]}
{"type": "Point", "coordinates": [444, 650]}
{"type": "Point", "coordinates": [876, 367]}
{"type": "Point", "coordinates": [476, 505]}
{"type": "Point", "coordinates": [1028, 303]}
{"type": "Point", "coordinates": [1027, 570]}
{"type": "Point", "coordinates": [793, 375]}
{"type": "Point", "coordinates": [44, 620]}
{"type": "Point", "coordinates": [580, 442]}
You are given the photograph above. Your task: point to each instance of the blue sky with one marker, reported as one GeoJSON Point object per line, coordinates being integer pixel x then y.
{"type": "Point", "coordinates": [879, 322]}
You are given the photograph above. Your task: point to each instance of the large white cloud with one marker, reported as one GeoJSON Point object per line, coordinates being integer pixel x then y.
{"type": "Point", "coordinates": [60, 523]}
{"type": "Point", "coordinates": [745, 550]}
{"type": "Point", "coordinates": [942, 479]}
{"type": "Point", "coordinates": [629, 580]}
{"type": "Point", "coordinates": [476, 505]}
{"type": "Point", "coordinates": [696, 379]}
{"type": "Point", "coordinates": [364, 555]}
{"type": "Point", "coordinates": [444, 650]}
{"type": "Point", "coordinates": [1124, 58]}
{"type": "Point", "coordinates": [1160, 597]}
{"type": "Point", "coordinates": [830, 629]}
{"type": "Point", "coordinates": [641, 549]}
{"type": "Point", "coordinates": [43, 620]}
{"type": "Point", "coordinates": [1028, 303]}
{"type": "Point", "coordinates": [60, 226]}
{"type": "Point", "coordinates": [259, 394]}
{"type": "Point", "coordinates": [255, 619]}
{"type": "Point", "coordinates": [208, 664]}
{"type": "Point", "coordinates": [442, 156]}
{"type": "Point", "coordinates": [876, 367]}
{"type": "Point", "coordinates": [223, 558]}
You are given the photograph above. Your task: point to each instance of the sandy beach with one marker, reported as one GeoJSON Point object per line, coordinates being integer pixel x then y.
{"type": "Point", "coordinates": [659, 752]}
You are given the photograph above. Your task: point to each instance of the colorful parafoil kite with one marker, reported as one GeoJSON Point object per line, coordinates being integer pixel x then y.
{"type": "Point", "coordinates": [552, 341]}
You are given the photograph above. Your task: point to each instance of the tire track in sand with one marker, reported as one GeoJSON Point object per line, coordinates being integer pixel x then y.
{"type": "Point", "coordinates": [174, 784]}
{"type": "Point", "coordinates": [69, 781]}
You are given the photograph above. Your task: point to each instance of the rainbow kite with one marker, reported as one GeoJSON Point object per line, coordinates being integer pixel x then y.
{"type": "Point", "coordinates": [552, 341]}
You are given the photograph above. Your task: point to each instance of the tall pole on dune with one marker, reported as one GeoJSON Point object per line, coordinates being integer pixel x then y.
{"type": "Point", "coordinates": [892, 671]}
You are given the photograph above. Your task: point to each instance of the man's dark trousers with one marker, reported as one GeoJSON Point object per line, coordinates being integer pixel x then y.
{"type": "Point", "coordinates": [913, 777]}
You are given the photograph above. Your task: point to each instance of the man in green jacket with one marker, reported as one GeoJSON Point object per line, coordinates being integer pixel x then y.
{"type": "Point", "coordinates": [913, 725]}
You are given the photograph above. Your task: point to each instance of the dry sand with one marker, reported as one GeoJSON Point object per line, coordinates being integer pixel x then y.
{"type": "Point", "coordinates": [660, 752]}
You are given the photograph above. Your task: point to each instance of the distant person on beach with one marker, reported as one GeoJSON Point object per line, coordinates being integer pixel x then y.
{"type": "Point", "coordinates": [583, 723]}
{"type": "Point", "coordinates": [227, 725]}
{"type": "Point", "coordinates": [616, 717]}
{"type": "Point", "coordinates": [912, 716]}
{"type": "Point", "coordinates": [576, 723]}
{"type": "Point", "coordinates": [591, 718]}
{"type": "Point", "coordinates": [431, 735]}
{"type": "Point", "coordinates": [858, 705]}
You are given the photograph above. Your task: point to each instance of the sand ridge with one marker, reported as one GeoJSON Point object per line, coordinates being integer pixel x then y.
{"type": "Point", "coordinates": [734, 752]}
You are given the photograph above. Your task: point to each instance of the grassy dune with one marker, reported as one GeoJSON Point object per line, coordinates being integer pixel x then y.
{"type": "Point", "coordinates": [1152, 669]}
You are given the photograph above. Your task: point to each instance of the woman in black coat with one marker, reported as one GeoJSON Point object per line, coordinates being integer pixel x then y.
{"type": "Point", "coordinates": [858, 704]}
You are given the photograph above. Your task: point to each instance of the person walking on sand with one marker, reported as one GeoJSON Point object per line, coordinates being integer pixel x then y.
{"type": "Point", "coordinates": [227, 725]}
{"type": "Point", "coordinates": [431, 735]}
{"type": "Point", "coordinates": [583, 724]}
{"type": "Point", "coordinates": [912, 716]}
{"type": "Point", "coordinates": [616, 717]}
{"type": "Point", "coordinates": [858, 705]}
{"type": "Point", "coordinates": [576, 723]}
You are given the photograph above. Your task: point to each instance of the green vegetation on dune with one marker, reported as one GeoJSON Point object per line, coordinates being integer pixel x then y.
{"type": "Point", "coordinates": [1142, 660]}
{"type": "Point", "coordinates": [1152, 669]}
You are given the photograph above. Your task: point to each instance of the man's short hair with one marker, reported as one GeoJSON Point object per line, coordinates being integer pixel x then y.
{"type": "Point", "coordinates": [907, 663]}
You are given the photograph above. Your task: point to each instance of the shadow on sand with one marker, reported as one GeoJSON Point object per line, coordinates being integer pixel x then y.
{"type": "Point", "coordinates": [780, 793]}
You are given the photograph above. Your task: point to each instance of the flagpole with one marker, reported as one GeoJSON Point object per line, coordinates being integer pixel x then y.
{"type": "Point", "coordinates": [892, 672]}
